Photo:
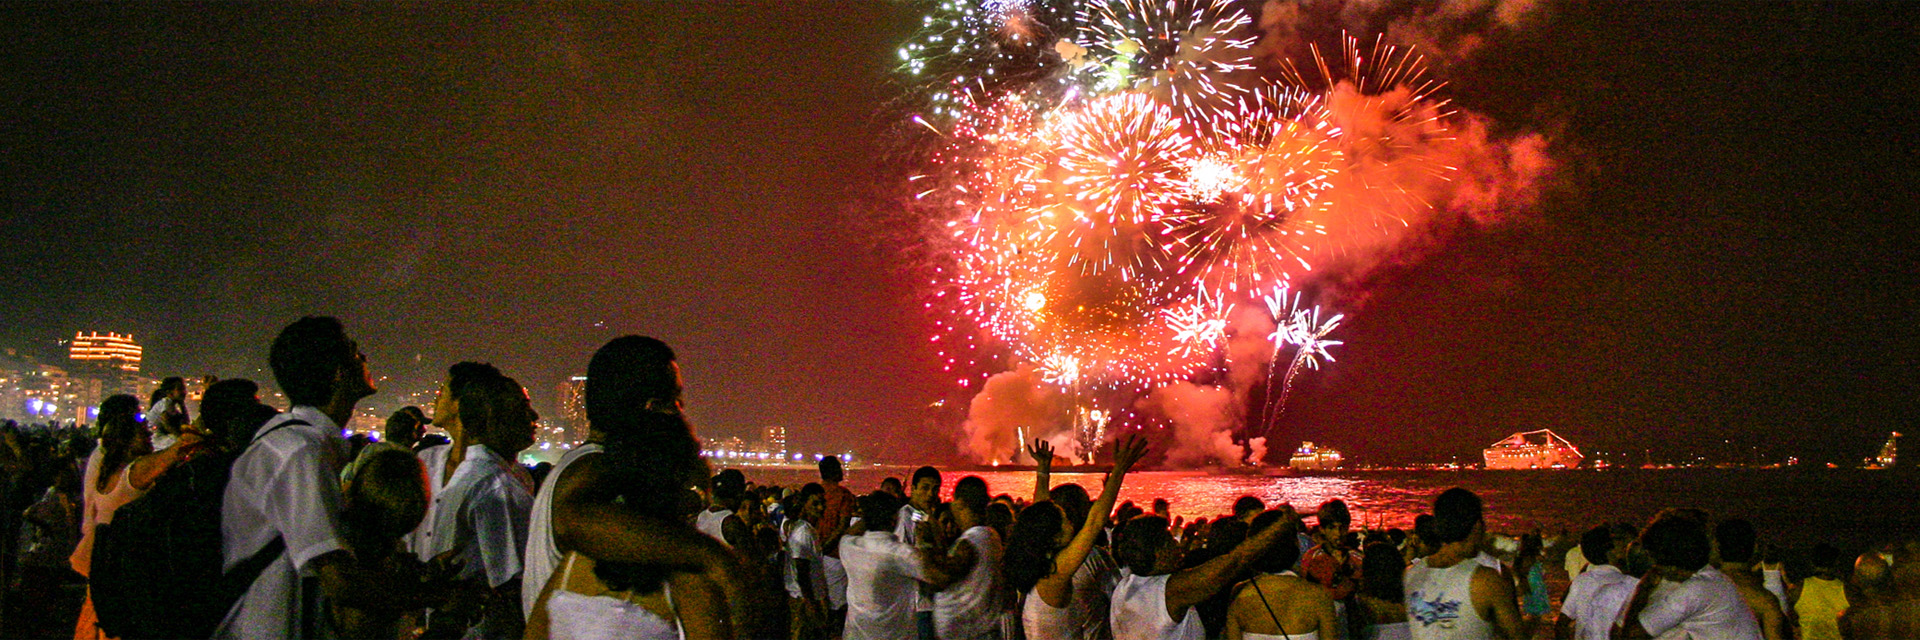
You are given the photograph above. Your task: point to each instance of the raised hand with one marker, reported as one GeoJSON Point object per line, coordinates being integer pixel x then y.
{"type": "Point", "coordinates": [1127, 453]}
{"type": "Point", "coordinates": [1042, 453]}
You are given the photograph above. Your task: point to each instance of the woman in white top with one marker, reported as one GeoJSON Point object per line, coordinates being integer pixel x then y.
{"type": "Point", "coordinates": [650, 468]}
{"type": "Point", "coordinates": [119, 471]}
{"type": "Point", "coordinates": [1155, 602]}
{"type": "Point", "coordinates": [1045, 552]}
{"type": "Point", "coordinates": [1278, 603]}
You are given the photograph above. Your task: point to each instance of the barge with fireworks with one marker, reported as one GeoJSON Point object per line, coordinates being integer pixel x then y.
{"type": "Point", "coordinates": [1541, 449]}
{"type": "Point", "coordinates": [1311, 458]}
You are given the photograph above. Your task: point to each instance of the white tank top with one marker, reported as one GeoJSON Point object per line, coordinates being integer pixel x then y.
{"type": "Point", "coordinates": [971, 608]}
{"type": "Point", "coordinates": [543, 555]}
{"type": "Point", "coordinates": [712, 523]}
{"type": "Point", "coordinates": [574, 616]}
{"type": "Point", "coordinates": [1440, 602]}
{"type": "Point", "coordinates": [1140, 612]}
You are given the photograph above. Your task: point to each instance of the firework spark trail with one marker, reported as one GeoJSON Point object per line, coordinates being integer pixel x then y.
{"type": "Point", "coordinates": [1302, 328]}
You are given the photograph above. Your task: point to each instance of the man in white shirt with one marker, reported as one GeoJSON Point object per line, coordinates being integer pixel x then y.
{"type": "Point", "coordinates": [921, 503]}
{"type": "Point", "coordinates": [883, 575]}
{"type": "Point", "coordinates": [483, 512]}
{"type": "Point", "coordinates": [441, 460]}
{"type": "Point", "coordinates": [283, 499]}
{"type": "Point", "coordinates": [1584, 615]}
{"type": "Point", "coordinates": [970, 598]}
{"type": "Point", "coordinates": [1684, 594]}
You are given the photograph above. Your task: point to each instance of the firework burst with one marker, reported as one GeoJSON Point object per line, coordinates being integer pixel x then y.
{"type": "Point", "coordinates": [1108, 180]}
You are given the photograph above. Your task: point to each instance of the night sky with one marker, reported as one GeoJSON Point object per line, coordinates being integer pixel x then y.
{"type": "Point", "coordinates": [1724, 262]}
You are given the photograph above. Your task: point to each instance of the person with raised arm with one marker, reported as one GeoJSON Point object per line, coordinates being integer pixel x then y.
{"type": "Point", "coordinates": [1155, 601]}
{"type": "Point", "coordinates": [1046, 555]}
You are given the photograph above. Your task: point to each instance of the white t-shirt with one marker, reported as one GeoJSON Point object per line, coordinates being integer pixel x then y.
{"type": "Point", "coordinates": [543, 554]}
{"type": "Point", "coordinates": [1707, 606]}
{"type": "Point", "coordinates": [1592, 620]}
{"type": "Point", "coordinates": [434, 459]}
{"type": "Point", "coordinates": [883, 580]}
{"type": "Point", "coordinates": [803, 546]}
{"type": "Point", "coordinates": [1140, 611]}
{"type": "Point", "coordinates": [1440, 602]}
{"type": "Point", "coordinates": [971, 607]}
{"type": "Point", "coordinates": [286, 485]}
{"type": "Point", "coordinates": [484, 512]}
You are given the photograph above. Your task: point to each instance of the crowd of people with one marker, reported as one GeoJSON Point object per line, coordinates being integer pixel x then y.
{"type": "Point", "coordinates": [246, 521]}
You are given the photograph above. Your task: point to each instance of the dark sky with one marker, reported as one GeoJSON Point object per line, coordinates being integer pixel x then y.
{"type": "Point", "coordinates": [1726, 255]}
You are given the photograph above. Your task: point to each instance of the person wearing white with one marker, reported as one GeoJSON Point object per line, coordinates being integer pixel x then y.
{"type": "Point", "coordinates": [1683, 594]}
{"type": "Point", "coordinates": [1582, 613]}
{"type": "Point", "coordinates": [921, 502]}
{"type": "Point", "coordinates": [284, 486]}
{"type": "Point", "coordinates": [970, 603]}
{"type": "Point", "coordinates": [1055, 564]}
{"type": "Point", "coordinates": [572, 615]}
{"type": "Point", "coordinates": [543, 554]}
{"type": "Point", "coordinates": [483, 512]}
{"type": "Point", "coordinates": [1153, 601]}
{"type": "Point", "coordinates": [1591, 614]}
{"type": "Point", "coordinates": [163, 439]}
{"type": "Point", "coordinates": [972, 606]}
{"type": "Point", "coordinates": [1140, 611]}
{"type": "Point", "coordinates": [883, 576]}
{"type": "Point", "coordinates": [710, 522]}
{"type": "Point", "coordinates": [806, 578]}
{"type": "Point", "coordinates": [1450, 594]}
{"type": "Point", "coordinates": [1705, 605]}
{"type": "Point", "coordinates": [434, 460]}
{"type": "Point", "coordinates": [442, 460]}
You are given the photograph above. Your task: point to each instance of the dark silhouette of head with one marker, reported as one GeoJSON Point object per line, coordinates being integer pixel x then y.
{"type": "Point", "coordinates": [830, 469]}
{"type": "Point", "coordinates": [880, 511]}
{"type": "Point", "coordinates": [312, 357]}
{"type": "Point", "coordinates": [1456, 512]}
{"type": "Point", "coordinates": [1677, 541]}
{"type": "Point", "coordinates": [630, 376]}
{"type": "Point", "coordinates": [1032, 543]}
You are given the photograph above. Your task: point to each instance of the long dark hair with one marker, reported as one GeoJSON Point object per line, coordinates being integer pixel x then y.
{"type": "Point", "coordinates": [650, 466]}
{"type": "Point", "coordinates": [119, 429]}
{"type": "Point", "coordinates": [1030, 547]}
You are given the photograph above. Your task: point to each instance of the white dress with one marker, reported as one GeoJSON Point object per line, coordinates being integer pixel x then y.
{"type": "Point", "coordinates": [575, 616]}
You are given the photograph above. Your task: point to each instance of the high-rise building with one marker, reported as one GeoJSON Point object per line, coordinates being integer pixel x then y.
{"type": "Point", "coordinates": [108, 350]}
{"type": "Point", "coordinates": [571, 400]}
{"type": "Point", "coordinates": [773, 439]}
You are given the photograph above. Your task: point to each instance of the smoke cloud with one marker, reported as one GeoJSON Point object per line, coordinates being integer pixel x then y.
{"type": "Point", "coordinates": [1010, 402]}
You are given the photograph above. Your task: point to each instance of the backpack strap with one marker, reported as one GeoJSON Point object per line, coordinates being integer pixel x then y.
{"type": "Point", "coordinates": [235, 582]}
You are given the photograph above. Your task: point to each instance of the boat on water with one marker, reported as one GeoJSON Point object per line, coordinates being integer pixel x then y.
{"type": "Point", "coordinates": [1541, 449]}
{"type": "Point", "coordinates": [1311, 458]}
{"type": "Point", "coordinates": [1889, 454]}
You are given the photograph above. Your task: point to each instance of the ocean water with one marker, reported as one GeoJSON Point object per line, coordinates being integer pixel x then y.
{"type": "Point", "coordinates": [1795, 509]}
